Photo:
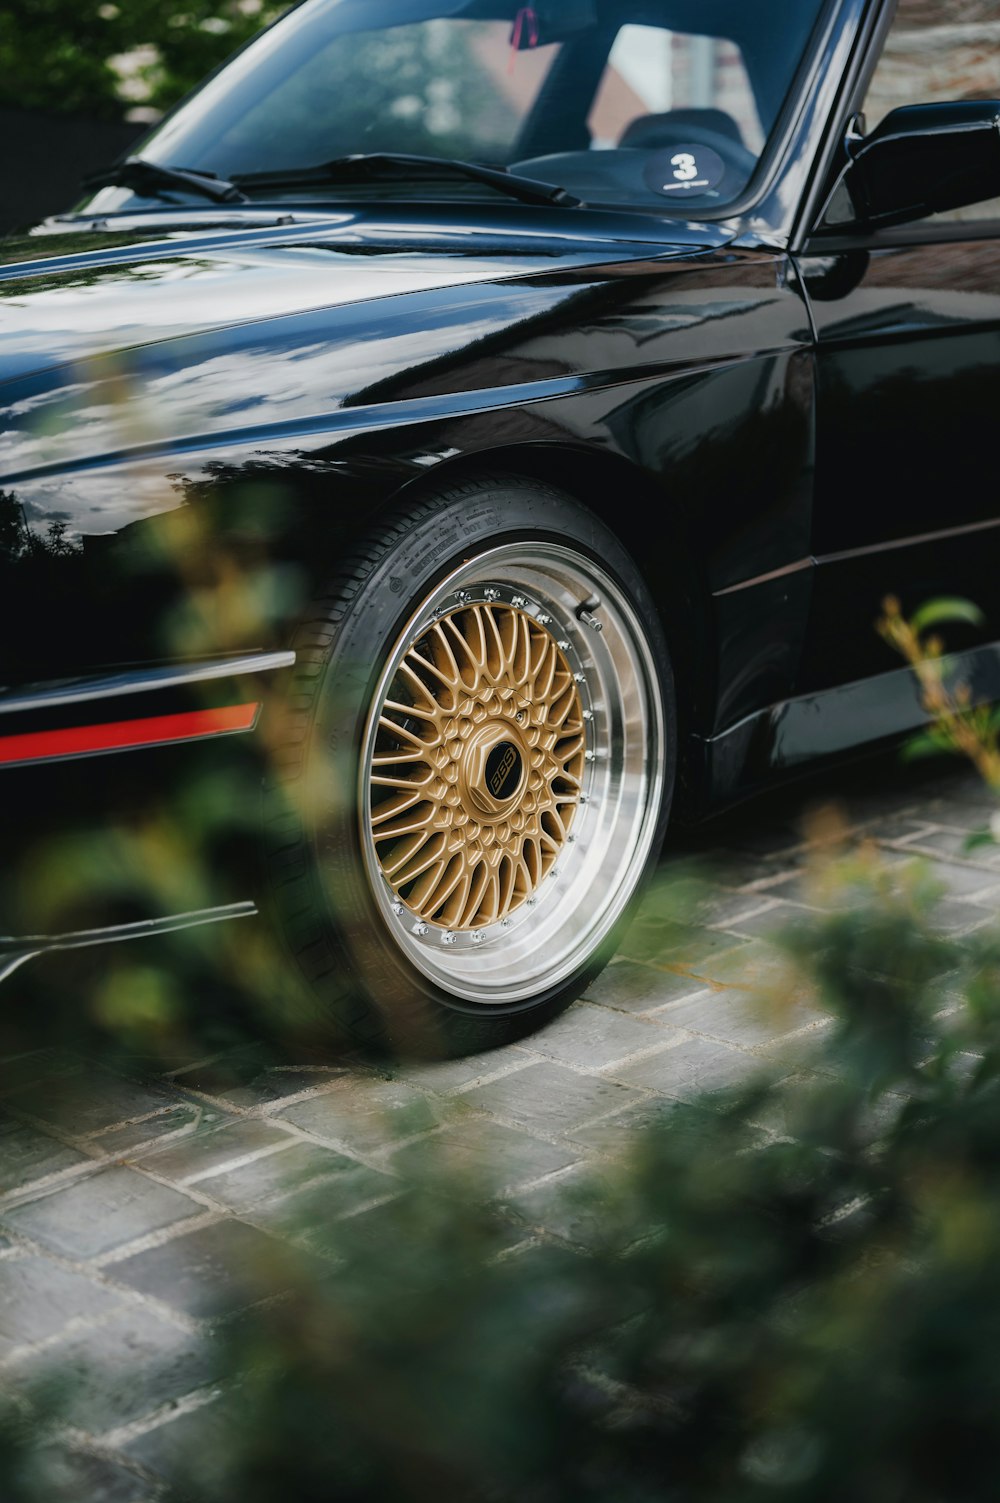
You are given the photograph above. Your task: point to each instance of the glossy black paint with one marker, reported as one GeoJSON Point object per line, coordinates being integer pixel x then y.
{"type": "Point", "coordinates": [908, 384]}
{"type": "Point", "coordinates": [465, 360]}
{"type": "Point", "coordinates": [200, 409]}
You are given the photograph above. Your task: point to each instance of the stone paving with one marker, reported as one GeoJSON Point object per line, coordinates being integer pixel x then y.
{"type": "Point", "coordinates": [133, 1209]}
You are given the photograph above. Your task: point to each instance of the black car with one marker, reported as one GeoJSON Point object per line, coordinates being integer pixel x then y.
{"type": "Point", "coordinates": [464, 430]}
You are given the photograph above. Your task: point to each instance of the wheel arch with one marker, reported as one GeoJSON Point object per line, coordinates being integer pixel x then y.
{"type": "Point", "coordinates": [626, 498]}
{"type": "Point", "coordinates": [636, 505]}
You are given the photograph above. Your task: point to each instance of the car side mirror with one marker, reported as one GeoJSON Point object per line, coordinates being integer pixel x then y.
{"type": "Point", "coordinates": [922, 159]}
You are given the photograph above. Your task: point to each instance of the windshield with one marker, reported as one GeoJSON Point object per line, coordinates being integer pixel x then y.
{"type": "Point", "coordinates": [643, 104]}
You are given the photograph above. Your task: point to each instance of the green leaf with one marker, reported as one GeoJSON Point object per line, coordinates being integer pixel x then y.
{"type": "Point", "coordinates": [948, 609]}
{"type": "Point", "coordinates": [927, 744]}
{"type": "Point", "coordinates": [978, 840]}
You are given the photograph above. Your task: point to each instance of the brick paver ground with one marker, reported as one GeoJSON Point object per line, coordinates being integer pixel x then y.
{"type": "Point", "coordinates": [132, 1210]}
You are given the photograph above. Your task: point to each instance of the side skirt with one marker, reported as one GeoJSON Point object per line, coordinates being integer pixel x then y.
{"type": "Point", "coordinates": [800, 734]}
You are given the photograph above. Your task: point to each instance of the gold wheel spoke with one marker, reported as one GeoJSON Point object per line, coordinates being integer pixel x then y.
{"type": "Point", "coordinates": [423, 857]}
{"type": "Point", "coordinates": [523, 884]}
{"type": "Point", "coordinates": [402, 825]}
{"type": "Point", "coordinates": [402, 851]}
{"type": "Point", "coordinates": [403, 733]}
{"type": "Point", "coordinates": [452, 877]}
{"type": "Point", "coordinates": [565, 701]}
{"type": "Point", "coordinates": [419, 687]}
{"type": "Point", "coordinates": [571, 743]}
{"type": "Point", "coordinates": [424, 897]}
{"type": "Point", "coordinates": [459, 639]}
{"type": "Point", "coordinates": [410, 711]}
{"type": "Point", "coordinates": [399, 758]}
{"type": "Point", "coordinates": [498, 653]}
{"type": "Point", "coordinates": [507, 879]}
{"type": "Point", "coordinates": [546, 674]}
{"type": "Point", "coordinates": [477, 891]}
{"type": "Point", "coordinates": [489, 909]}
{"type": "Point", "coordinates": [520, 662]}
{"type": "Point", "coordinates": [391, 808]}
{"type": "Point", "coordinates": [454, 908]}
{"type": "Point", "coordinates": [566, 774]}
{"type": "Point", "coordinates": [444, 696]}
{"type": "Point", "coordinates": [454, 858]}
{"type": "Point", "coordinates": [445, 664]}
{"type": "Point", "coordinates": [390, 780]}
{"type": "Point", "coordinates": [417, 772]}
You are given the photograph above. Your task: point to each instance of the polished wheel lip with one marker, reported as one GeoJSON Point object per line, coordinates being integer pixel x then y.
{"type": "Point", "coordinates": [558, 930]}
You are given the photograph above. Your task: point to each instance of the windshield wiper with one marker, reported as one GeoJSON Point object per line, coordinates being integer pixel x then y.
{"type": "Point", "coordinates": [384, 166]}
{"type": "Point", "coordinates": [150, 178]}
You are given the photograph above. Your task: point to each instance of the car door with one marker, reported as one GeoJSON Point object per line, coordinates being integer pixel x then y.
{"type": "Point", "coordinates": [907, 322]}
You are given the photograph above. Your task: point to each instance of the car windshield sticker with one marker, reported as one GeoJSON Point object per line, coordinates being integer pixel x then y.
{"type": "Point", "coordinates": [685, 169]}
{"type": "Point", "coordinates": [524, 35]}
{"type": "Point", "coordinates": [525, 32]}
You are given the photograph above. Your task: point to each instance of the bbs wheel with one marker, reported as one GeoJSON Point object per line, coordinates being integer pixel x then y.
{"type": "Point", "coordinates": [481, 760]}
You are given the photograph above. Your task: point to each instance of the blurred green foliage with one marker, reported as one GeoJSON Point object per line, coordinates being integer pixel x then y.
{"type": "Point", "coordinates": [782, 1292]}
{"type": "Point", "coordinates": [957, 724]}
{"type": "Point", "coordinates": [56, 54]}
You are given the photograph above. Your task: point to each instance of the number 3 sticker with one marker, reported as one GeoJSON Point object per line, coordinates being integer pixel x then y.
{"type": "Point", "coordinates": [684, 169]}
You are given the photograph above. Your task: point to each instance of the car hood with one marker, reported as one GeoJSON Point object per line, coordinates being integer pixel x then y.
{"type": "Point", "coordinates": [153, 341]}
{"type": "Point", "coordinates": [70, 296]}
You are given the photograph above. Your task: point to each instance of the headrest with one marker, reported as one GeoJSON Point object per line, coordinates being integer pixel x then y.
{"type": "Point", "coordinates": [649, 130]}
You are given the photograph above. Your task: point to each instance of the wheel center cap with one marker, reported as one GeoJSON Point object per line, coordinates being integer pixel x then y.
{"type": "Point", "coordinates": [503, 770]}
{"type": "Point", "coordinates": [495, 772]}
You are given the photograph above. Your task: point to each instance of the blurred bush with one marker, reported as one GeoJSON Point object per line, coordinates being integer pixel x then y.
{"type": "Point", "coordinates": [94, 58]}
{"type": "Point", "coordinates": [782, 1292]}
{"type": "Point", "coordinates": [956, 724]}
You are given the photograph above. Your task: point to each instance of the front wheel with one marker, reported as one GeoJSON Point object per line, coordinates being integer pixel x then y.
{"type": "Point", "coordinates": [486, 733]}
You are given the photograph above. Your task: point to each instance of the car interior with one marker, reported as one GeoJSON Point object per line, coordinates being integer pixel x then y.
{"type": "Point", "coordinates": [718, 55]}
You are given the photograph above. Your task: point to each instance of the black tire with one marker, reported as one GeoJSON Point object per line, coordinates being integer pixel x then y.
{"type": "Point", "coordinates": [477, 769]}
